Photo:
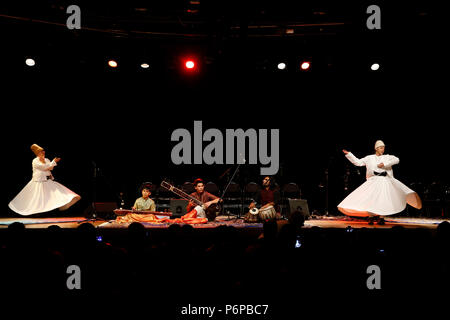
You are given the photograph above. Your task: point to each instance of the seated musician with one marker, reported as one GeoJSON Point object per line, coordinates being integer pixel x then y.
{"type": "Point", "coordinates": [144, 202]}
{"type": "Point", "coordinates": [269, 195]}
{"type": "Point", "coordinates": [205, 197]}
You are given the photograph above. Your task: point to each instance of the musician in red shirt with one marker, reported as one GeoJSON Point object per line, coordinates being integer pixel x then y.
{"type": "Point", "coordinates": [203, 196]}
{"type": "Point", "coordinates": [269, 195]}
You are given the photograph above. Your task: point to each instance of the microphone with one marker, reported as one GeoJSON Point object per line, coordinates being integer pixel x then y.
{"type": "Point", "coordinates": [243, 159]}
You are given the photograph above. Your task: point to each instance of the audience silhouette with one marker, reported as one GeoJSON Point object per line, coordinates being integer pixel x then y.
{"type": "Point", "coordinates": [156, 266]}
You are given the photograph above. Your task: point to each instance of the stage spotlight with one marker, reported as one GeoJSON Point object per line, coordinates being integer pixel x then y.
{"type": "Point", "coordinates": [281, 66]}
{"type": "Point", "coordinates": [30, 62]}
{"type": "Point", "coordinates": [190, 64]}
{"type": "Point", "coordinates": [112, 63]}
{"type": "Point", "coordinates": [145, 66]}
{"type": "Point", "coordinates": [305, 65]}
{"type": "Point", "coordinates": [374, 67]}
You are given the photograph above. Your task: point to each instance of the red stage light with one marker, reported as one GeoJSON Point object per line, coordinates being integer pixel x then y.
{"type": "Point", "coordinates": [305, 65]}
{"type": "Point", "coordinates": [190, 64]}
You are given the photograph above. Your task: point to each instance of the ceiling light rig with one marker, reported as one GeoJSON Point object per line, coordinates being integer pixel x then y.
{"type": "Point", "coordinates": [281, 66]}
{"type": "Point", "coordinates": [30, 62]}
{"type": "Point", "coordinates": [112, 63]}
{"type": "Point", "coordinates": [305, 65]}
{"type": "Point", "coordinates": [375, 67]}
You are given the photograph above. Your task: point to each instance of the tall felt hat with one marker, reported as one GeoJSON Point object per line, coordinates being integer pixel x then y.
{"type": "Point", "coordinates": [379, 143]}
{"type": "Point", "coordinates": [36, 149]}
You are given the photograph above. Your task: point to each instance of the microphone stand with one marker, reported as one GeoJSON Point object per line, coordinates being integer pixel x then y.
{"type": "Point", "coordinates": [94, 216]}
{"type": "Point", "coordinates": [226, 188]}
{"type": "Point", "coordinates": [326, 192]}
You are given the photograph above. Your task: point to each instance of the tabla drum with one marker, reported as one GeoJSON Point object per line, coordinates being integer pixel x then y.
{"type": "Point", "coordinates": [268, 213]}
{"type": "Point", "coordinates": [252, 216]}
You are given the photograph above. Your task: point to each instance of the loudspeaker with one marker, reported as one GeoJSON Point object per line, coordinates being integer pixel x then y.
{"type": "Point", "coordinates": [299, 205]}
{"type": "Point", "coordinates": [178, 207]}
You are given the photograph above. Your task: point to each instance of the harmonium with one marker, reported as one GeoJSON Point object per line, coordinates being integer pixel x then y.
{"type": "Point", "coordinates": [158, 214]}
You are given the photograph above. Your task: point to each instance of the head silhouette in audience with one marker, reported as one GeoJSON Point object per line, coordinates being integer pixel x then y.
{"type": "Point", "coordinates": [297, 219]}
{"type": "Point", "coordinates": [86, 234]}
{"type": "Point", "coordinates": [443, 233]}
{"type": "Point", "coordinates": [270, 229]}
{"type": "Point", "coordinates": [16, 235]}
{"type": "Point", "coordinates": [137, 234]}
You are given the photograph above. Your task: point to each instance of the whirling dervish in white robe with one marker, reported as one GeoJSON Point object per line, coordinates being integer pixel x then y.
{"type": "Point", "coordinates": [381, 194]}
{"type": "Point", "coordinates": [42, 193]}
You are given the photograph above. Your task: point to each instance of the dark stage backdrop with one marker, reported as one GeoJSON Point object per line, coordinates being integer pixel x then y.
{"type": "Point", "coordinates": [121, 124]}
{"type": "Point", "coordinates": [120, 121]}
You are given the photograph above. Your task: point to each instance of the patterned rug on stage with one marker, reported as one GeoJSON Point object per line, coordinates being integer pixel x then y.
{"type": "Point", "coordinates": [388, 220]}
{"type": "Point", "coordinates": [220, 221]}
{"type": "Point", "coordinates": [26, 221]}
{"type": "Point", "coordinates": [320, 221]}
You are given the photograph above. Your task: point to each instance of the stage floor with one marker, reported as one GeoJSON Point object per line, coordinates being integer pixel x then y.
{"type": "Point", "coordinates": [319, 221]}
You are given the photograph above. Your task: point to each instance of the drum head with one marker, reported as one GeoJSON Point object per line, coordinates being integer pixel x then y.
{"type": "Point", "coordinates": [267, 213]}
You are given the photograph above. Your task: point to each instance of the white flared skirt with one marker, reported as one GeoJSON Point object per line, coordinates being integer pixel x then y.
{"type": "Point", "coordinates": [379, 196]}
{"type": "Point", "coordinates": [42, 196]}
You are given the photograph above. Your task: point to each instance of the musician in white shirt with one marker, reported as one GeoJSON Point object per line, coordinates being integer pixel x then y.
{"type": "Point", "coordinates": [144, 202]}
{"type": "Point", "coordinates": [381, 194]}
